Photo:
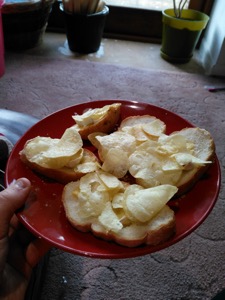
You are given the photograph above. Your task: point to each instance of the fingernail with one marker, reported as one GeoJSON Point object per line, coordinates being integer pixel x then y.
{"type": "Point", "coordinates": [20, 184]}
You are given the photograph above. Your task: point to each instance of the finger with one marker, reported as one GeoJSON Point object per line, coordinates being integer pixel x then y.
{"type": "Point", "coordinates": [25, 257]}
{"type": "Point", "coordinates": [11, 199]}
{"type": "Point", "coordinates": [34, 252]}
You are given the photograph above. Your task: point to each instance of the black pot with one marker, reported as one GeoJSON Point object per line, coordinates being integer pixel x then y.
{"type": "Point", "coordinates": [84, 32]}
{"type": "Point", "coordinates": [24, 30]}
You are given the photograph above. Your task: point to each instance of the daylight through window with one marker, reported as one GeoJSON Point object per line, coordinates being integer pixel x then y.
{"type": "Point", "coordinates": [147, 4]}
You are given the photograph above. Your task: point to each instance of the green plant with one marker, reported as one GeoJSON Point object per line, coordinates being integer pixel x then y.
{"type": "Point", "coordinates": [178, 8]}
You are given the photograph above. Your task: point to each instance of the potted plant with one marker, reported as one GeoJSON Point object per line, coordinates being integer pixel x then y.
{"type": "Point", "coordinates": [24, 23]}
{"type": "Point", "coordinates": [84, 24]}
{"type": "Point", "coordinates": [181, 31]}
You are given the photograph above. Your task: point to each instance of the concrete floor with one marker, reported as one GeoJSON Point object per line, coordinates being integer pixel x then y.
{"type": "Point", "coordinates": [125, 53]}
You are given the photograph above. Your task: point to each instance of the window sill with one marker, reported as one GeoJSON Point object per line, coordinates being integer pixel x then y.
{"type": "Point", "coordinates": [141, 24]}
{"type": "Point", "coordinates": [113, 51]}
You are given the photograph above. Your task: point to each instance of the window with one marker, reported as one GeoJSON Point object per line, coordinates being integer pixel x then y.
{"type": "Point", "coordinates": [146, 4]}
{"type": "Point", "coordinates": [137, 20]}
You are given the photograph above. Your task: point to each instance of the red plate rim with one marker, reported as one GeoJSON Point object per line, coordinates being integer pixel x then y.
{"type": "Point", "coordinates": [86, 244]}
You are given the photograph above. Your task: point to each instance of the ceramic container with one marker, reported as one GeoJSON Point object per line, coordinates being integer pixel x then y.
{"type": "Point", "coordinates": [24, 23]}
{"type": "Point", "coordinates": [84, 31]}
{"type": "Point", "coordinates": [181, 35]}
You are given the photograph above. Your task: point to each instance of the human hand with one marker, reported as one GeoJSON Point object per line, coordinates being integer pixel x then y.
{"type": "Point", "coordinates": [20, 251]}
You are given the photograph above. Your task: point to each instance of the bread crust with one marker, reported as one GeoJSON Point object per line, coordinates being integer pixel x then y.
{"type": "Point", "coordinates": [63, 175]}
{"type": "Point", "coordinates": [106, 124]}
{"type": "Point", "coordinates": [156, 231]}
{"type": "Point", "coordinates": [152, 237]}
{"type": "Point", "coordinates": [205, 152]}
{"type": "Point", "coordinates": [204, 149]}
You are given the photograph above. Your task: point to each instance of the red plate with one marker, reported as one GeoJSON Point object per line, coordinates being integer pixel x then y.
{"type": "Point", "coordinates": [45, 217]}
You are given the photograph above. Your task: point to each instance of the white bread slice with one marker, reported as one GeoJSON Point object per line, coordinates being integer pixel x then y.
{"type": "Point", "coordinates": [132, 234]}
{"type": "Point", "coordinates": [98, 120]}
{"type": "Point", "coordinates": [204, 149]}
{"type": "Point", "coordinates": [143, 121]}
{"type": "Point", "coordinates": [200, 141]}
{"type": "Point", "coordinates": [136, 120]}
{"type": "Point", "coordinates": [72, 208]}
{"type": "Point", "coordinates": [64, 174]}
{"type": "Point", "coordinates": [161, 228]}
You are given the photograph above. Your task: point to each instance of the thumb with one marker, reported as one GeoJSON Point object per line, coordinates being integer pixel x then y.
{"type": "Point", "coordinates": [11, 199]}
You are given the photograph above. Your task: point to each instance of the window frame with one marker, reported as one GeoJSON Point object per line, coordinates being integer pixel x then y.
{"type": "Point", "coordinates": [126, 23]}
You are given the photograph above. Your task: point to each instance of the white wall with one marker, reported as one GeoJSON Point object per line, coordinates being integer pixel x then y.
{"type": "Point", "coordinates": [212, 50]}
